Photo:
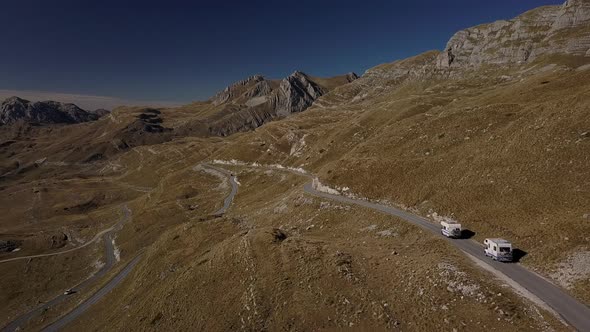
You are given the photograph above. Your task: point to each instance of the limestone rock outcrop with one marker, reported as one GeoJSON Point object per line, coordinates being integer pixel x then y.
{"type": "Point", "coordinates": [249, 103]}
{"type": "Point", "coordinates": [545, 30]}
{"type": "Point", "coordinates": [296, 93]}
{"type": "Point", "coordinates": [236, 90]}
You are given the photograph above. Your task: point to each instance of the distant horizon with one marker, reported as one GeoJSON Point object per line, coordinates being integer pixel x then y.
{"type": "Point", "coordinates": [92, 102]}
{"type": "Point", "coordinates": [113, 54]}
{"type": "Point", "coordinates": [86, 102]}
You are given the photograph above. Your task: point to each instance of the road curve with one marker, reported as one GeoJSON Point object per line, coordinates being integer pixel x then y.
{"type": "Point", "coordinates": [81, 308]}
{"type": "Point", "coordinates": [110, 261]}
{"type": "Point", "coordinates": [234, 189]}
{"type": "Point", "coordinates": [94, 239]}
{"type": "Point", "coordinates": [571, 310]}
{"type": "Point", "coordinates": [109, 253]}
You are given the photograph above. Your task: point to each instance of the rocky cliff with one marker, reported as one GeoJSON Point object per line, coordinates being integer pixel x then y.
{"type": "Point", "coordinates": [249, 103]}
{"type": "Point", "coordinates": [296, 93]}
{"type": "Point", "coordinates": [552, 37]}
{"type": "Point", "coordinates": [545, 30]}
{"type": "Point", "coordinates": [238, 89]}
{"type": "Point", "coordinates": [15, 109]}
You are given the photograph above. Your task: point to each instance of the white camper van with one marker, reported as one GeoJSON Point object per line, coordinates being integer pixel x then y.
{"type": "Point", "coordinates": [450, 229]}
{"type": "Point", "coordinates": [498, 249]}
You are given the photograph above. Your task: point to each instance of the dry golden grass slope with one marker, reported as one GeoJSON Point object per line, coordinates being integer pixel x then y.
{"type": "Point", "coordinates": [282, 260]}
{"type": "Point", "coordinates": [502, 149]}
{"type": "Point", "coordinates": [505, 151]}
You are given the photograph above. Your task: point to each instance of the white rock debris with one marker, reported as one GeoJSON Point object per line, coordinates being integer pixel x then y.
{"type": "Point", "coordinates": [116, 251]}
{"type": "Point", "coordinates": [575, 268]}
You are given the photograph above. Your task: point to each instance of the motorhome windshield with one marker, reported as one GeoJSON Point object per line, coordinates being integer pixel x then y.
{"type": "Point", "coordinates": [505, 249]}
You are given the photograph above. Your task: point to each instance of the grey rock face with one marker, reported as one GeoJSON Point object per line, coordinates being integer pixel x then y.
{"type": "Point", "coordinates": [16, 109]}
{"type": "Point", "coordinates": [262, 88]}
{"type": "Point", "coordinates": [420, 66]}
{"type": "Point", "coordinates": [235, 89]}
{"type": "Point", "coordinates": [254, 101]}
{"type": "Point", "coordinates": [297, 92]}
{"type": "Point", "coordinates": [545, 30]}
{"type": "Point", "coordinates": [351, 77]}
{"type": "Point", "coordinates": [573, 13]}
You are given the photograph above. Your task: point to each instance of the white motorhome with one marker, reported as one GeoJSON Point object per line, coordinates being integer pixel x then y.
{"type": "Point", "coordinates": [450, 229]}
{"type": "Point", "coordinates": [498, 249]}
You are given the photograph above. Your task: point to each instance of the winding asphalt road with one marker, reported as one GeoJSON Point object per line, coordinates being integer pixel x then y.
{"type": "Point", "coordinates": [571, 310]}
{"type": "Point", "coordinates": [80, 309]}
{"type": "Point", "coordinates": [109, 251]}
{"type": "Point", "coordinates": [94, 239]}
{"type": "Point", "coordinates": [234, 189]}
{"type": "Point", "coordinates": [110, 257]}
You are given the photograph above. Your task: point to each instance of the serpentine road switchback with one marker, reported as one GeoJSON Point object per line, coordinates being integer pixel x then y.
{"type": "Point", "coordinates": [81, 308]}
{"type": "Point", "coordinates": [234, 189]}
{"type": "Point", "coordinates": [568, 308]}
{"type": "Point", "coordinates": [110, 261]}
{"type": "Point", "coordinates": [109, 251]}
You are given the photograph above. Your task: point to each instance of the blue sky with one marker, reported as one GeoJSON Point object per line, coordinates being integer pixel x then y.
{"type": "Point", "coordinates": [180, 51]}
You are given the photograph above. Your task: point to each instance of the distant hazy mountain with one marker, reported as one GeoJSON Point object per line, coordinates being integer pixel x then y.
{"type": "Point", "coordinates": [15, 109]}
{"type": "Point", "coordinates": [87, 102]}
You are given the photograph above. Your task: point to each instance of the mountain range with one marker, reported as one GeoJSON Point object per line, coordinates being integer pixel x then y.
{"type": "Point", "coordinates": [491, 132]}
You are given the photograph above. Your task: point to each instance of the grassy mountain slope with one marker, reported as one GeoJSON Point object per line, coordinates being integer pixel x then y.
{"type": "Point", "coordinates": [503, 149]}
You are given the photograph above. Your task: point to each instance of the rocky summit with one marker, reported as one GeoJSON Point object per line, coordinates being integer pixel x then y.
{"type": "Point", "coordinates": [249, 103]}
{"type": "Point", "coordinates": [15, 109]}
{"type": "Point", "coordinates": [545, 30]}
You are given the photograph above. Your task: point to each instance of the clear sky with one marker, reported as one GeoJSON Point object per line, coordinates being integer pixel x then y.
{"type": "Point", "coordinates": [180, 51]}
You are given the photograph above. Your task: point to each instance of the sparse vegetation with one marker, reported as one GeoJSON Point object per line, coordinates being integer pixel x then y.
{"type": "Point", "coordinates": [504, 150]}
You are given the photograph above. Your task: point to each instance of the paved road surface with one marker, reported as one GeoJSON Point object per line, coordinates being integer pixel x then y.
{"type": "Point", "coordinates": [94, 239]}
{"type": "Point", "coordinates": [72, 315]}
{"type": "Point", "coordinates": [80, 309]}
{"type": "Point", "coordinates": [234, 189]}
{"type": "Point", "coordinates": [110, 261]}
{"type": "Point", "coordinates": [109, 253]}
{"type": "Point", "coordinates": [571, 310]}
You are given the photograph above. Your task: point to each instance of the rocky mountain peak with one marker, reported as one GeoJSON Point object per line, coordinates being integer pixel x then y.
{"type": "Point", "coordinates": [573, 13]}
{"type": "Point", "coordinates": [351, 76]}
{"type": "Point", "coordinates": [15, 100]}
{"type": "Point", "coordinates": [236, 89]}
{"type": "Point", "coordinates": [298, 73]}
{"type": "Point", "coordinates": [249, 103]}
{"type": "Point", "coordinates": [576, 3]}
{"type": "Point", "coordinates": [544, 30]}
{"type": "Point", "coordinates": [297, 92]}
